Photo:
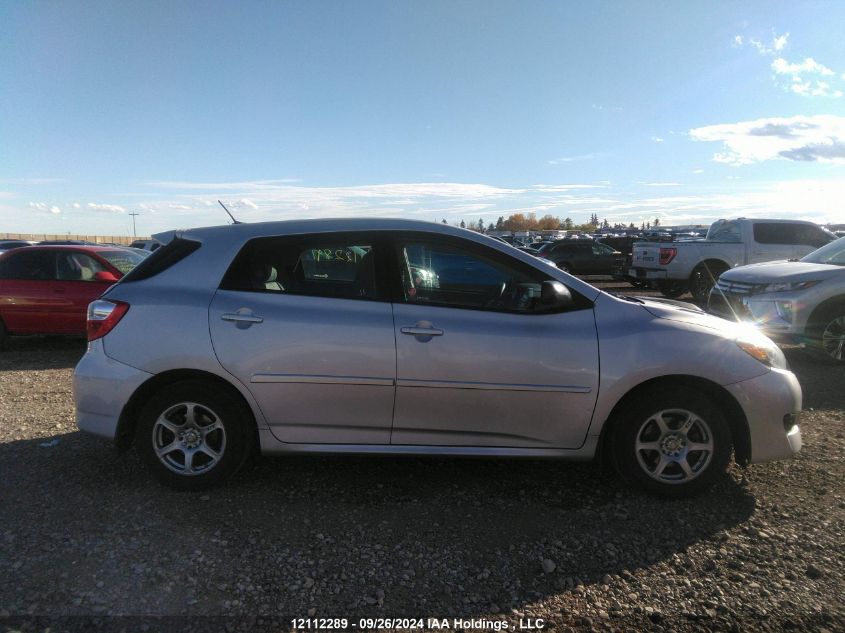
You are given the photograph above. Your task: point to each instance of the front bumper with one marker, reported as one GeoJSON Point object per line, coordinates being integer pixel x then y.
{"type": "Point", "coordinates": [101, 388]}
{"type": "Point", "coordinates": [771, 403]}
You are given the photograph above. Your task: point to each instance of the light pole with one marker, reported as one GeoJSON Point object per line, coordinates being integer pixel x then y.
{"type": "Point", "coordinates": [133, 214]}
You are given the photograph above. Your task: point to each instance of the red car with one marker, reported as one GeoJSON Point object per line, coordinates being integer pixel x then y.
{"type": "Point", "coordinates": [47, 289]}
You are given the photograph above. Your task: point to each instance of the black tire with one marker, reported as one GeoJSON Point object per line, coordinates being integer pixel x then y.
{"type": "Point", "coordinates": [703, 278]}
{"type": "Point", "coordinates": [639, 423]}
{"type": "Point", "coordinates": [671, 289]}
{"type": "Point", "coordinates": [637, 283]}
{"type": "Point", "coordinates": [233, 443]}
{"type": "Point", "coordinates": [825, 329]}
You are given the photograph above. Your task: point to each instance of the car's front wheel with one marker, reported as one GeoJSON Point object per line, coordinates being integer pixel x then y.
{"type": "Point", "coordinates": [672, 442]}
{"type": "Point", "coordinates": [193, 436]}
{"type": "Point", "coordinates": [827, 333]}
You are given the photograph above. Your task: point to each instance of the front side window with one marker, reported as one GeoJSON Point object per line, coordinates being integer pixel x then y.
{"type": "Point", "coordinates": [434, 273]}
{"type": "Point", "coordinates": [34, 265]}
{"type": "Point", "coordinates": [833, 254]}
{"type": "Point", "coordinates": [326, 266]}
{"type": "Point", "coordinates": [72, 266]}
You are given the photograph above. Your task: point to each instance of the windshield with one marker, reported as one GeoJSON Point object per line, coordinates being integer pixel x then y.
{"type": "Point", "coordinates": [123, 260]}
{"type": "Point", "coordinates": [833, 253]}
{"type": "Point", "coordinates": [724, 231]}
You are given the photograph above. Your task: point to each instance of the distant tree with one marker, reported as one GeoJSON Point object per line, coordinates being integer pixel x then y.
{"type": "Point", "coordinates": [656, 222]}
{"type": "Point", "coordinates": [491, 227]}
{"type": "Point", "coordinates": [605, 224]}
{"type": "Point", "coordinates": [632, 226]}
{"type": "Point", "coordinates": [444, 221]}
{"type": "Point", "coordinates": [463, 224]}
{"type": "Point", "coordinates": [567, 223]}
{"type": "Point", "coordinates": [480, 225]}
{"type": "Point", "coordinates": [500, 224]}
{"type": "Point", "coordinates": [548, 223]}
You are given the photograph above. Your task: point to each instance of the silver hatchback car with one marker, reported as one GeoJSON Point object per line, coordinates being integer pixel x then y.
{"type": "Point", "coordinates": [404, 337]}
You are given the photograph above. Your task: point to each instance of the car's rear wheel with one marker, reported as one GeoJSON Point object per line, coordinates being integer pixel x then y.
{"type": "Point", "coordinates": [671, 289]}
{"type": "Point", "coordinates": [193, 436]}
{"type": "Point", "coordinates": [827, 333]}
{"type": "Point", "coordinates": [703, 278]}
{"type": "Point", "coordinates": [672, 442]}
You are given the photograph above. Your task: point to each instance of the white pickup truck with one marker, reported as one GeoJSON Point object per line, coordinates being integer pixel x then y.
{"type": "Point", "coordinates": [695, 265]}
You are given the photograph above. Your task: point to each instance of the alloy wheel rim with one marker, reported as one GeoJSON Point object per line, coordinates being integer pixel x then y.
{"type": "Point", "coordinates": [674, 446]}
{"type": "Point", "coordinates": [833, 338]}
{"type": "Point", "coordinates": [189, 439]}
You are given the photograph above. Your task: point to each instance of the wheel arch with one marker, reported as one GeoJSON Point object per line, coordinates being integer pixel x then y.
{"type": "Point", "coordinates": [128, 420]}
{"type": "Point", "coordinates": [710, 264]}
{"type": "Point", "coordinates": [837, 301]}
{"type": "Point", "coordinates": [735, 416]}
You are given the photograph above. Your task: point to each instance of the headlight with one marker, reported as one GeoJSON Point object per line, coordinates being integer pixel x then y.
{"type": "Point", "coordinates": [786, 286]}
{"type": "Point", "coordinates": [762, 349]}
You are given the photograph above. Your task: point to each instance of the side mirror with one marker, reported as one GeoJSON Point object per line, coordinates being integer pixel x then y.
{"type": "Point", "coordinates": [105, 275]}
{"type": "Point", "coordinates": [554, 295]}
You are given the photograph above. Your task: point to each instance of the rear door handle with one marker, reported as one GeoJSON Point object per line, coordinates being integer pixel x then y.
{"type": "Point", "coordinates": [421, 331]}
{"type": "Point", "coordinates": [241, 318]}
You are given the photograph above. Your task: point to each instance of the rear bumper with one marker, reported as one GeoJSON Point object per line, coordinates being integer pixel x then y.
{"type": "Point", "coordinates": [771, 403]}
{"type": "Point", "coordinates": [647, 273]}
{"type": "Point", "coordinates": [101, 388]}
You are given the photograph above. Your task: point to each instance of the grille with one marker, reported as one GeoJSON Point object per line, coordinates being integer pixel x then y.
{"type": "Point", "coordinates": [735, 287]}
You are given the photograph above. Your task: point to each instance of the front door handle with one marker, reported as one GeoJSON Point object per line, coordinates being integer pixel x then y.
{"type": "Point", "coordinates": [421, 331]}
{"type": "Point", "coordinates": [241, 318]}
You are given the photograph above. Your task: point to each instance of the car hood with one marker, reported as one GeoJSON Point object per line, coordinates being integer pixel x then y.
{"type": "Point", "coordinates": [782, 271]}
{"type": "Point", "coordinates": [684, 313]}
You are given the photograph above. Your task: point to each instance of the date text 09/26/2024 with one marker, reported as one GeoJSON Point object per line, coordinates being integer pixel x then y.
{"type": "Point", "coordinates": [374, 624]}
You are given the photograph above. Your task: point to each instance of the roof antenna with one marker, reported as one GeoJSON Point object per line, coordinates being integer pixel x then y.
{"type": "Point", "coordinates": [234, 221]}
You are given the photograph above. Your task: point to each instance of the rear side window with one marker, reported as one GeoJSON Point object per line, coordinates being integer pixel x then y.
{"type": "Point", "coordinates": [71, 266]}
{"type": "Point", "coordinates": [35, 265]}
{"type": "Point", "coordinates": [773, 233]}
{"type": "Point", "coordinates": [174, 251]}
{"type": "Point", "coordinates": [333, 265]}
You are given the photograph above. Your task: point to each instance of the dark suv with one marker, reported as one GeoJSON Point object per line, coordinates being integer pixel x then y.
{"type": "Point", "coordinates": [583, 257]}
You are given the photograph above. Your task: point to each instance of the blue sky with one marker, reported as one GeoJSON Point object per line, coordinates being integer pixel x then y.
{"type": "Point", "coordinates": [460, 110]}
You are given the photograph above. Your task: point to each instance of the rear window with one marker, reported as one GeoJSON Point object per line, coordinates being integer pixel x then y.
{"type": "Point", "coordinates": [124, 261]}
{"type": "Point", "coordinates": [174, 251]}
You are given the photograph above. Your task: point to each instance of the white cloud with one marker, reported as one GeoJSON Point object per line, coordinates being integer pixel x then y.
{"type": "Point", "coordinates": [76, 205]}
{"type": "Point", "coordinates": [801, 78]}
{"type": "Point", "coordinates": [698, 171]}
{"type": "Point", "coordinates": [576, 158]}
{"type": "Point", "coordinates": [109, 208]}
{"type": "Point", "coordinates": [799, 138]}
{"type": "Point", "coordinates": [809, 65]}
{"type": "Point", "coordinates": [659, 184]}
{"type": "Point", "coordinates": [41, 206]}
{"type": "Point", "coordinates": [657, 139]}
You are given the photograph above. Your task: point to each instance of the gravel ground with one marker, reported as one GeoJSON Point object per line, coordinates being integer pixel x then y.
{"type": "Point", "coordinates": [86, 535]}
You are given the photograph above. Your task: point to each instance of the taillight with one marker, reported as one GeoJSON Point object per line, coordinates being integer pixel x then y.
{"type": "Point", "coordinates": [103, 315]}
{"type": "Point", "coordinates": [667, 255]}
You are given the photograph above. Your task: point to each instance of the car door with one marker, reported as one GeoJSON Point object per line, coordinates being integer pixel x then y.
{"type": "Point", "coordinates": [305, 323]}
{"type": "Point", "coordinates": [29, 297]}
{"type": "Point", "coordinates": [478, 362]}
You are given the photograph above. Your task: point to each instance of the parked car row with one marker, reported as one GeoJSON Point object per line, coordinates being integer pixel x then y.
{"type": "Point", "coordinates": [695, 265]}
